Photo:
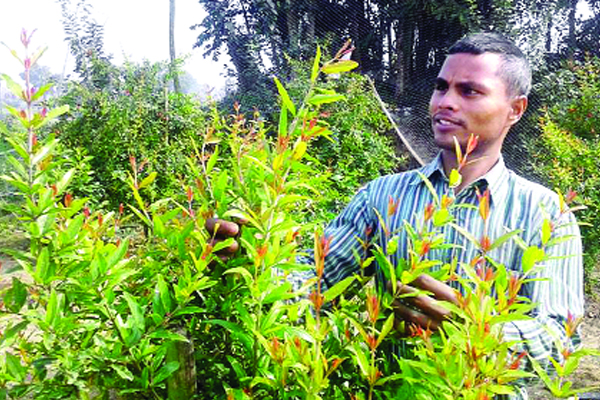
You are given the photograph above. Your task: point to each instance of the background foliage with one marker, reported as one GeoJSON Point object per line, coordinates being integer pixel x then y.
{"type": "Point", "coordinates": [132, 113]}
{"type": "Point", "coordinates": [568, 151]}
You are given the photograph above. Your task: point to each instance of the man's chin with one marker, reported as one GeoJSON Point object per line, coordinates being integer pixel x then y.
{"type": "Point", "coordinates": [444, 142]}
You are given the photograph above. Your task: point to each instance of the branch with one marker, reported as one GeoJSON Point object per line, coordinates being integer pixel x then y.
{"type": "Point", "coordinates": [412, 151]}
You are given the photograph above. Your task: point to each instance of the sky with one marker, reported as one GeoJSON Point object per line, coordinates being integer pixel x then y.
{"type": "Point", "coordinates": [133, 30]}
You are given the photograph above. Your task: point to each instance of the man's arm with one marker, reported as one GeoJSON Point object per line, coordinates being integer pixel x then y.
{"type": "Point", "coordinates": [557, 297]}
{"type": "Point", "coordinates": [356, 221]}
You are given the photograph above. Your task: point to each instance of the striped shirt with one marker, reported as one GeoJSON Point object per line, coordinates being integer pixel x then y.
{"type": "Point", "coordinates": [515, 203]}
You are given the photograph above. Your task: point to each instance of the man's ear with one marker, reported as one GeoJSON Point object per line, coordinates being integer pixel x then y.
{"type": "Point", "coordinates": [517, 108]}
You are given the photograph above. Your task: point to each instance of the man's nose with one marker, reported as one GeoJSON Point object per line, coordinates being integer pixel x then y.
{"type": "Point", "coordinates": [447, 100]}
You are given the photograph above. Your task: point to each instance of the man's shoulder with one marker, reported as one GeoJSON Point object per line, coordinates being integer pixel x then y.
{"type": "Point", "coordinates": [526, 190]}
{"type": "Point", "coordinates": [398, 179]}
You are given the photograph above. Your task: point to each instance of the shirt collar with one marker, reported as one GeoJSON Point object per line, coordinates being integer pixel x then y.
{"type": "Point", "coordinates": [495, 179]}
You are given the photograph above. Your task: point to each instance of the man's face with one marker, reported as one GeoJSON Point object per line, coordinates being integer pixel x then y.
{"type": "Point", "coordinates": [470, 97]}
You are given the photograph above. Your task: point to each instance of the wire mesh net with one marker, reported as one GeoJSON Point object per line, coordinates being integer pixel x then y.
{"type": "Point", "coordinates": [401, 45]}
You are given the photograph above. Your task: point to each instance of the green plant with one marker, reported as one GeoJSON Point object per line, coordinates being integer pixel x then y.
{"type": "Point", "coordinates": [78, 319]}
{"type": "Point", "coordinates": [567, 152]}
{"type": "Point", "coordinates": [133, 114]}
{"type": "Point", "coordinates": [97, 315]}
{"type": "Point", "coordinates": [359, 148]}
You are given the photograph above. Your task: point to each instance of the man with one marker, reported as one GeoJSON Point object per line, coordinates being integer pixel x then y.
{"type": "Point", "coordinates": [481, 90]}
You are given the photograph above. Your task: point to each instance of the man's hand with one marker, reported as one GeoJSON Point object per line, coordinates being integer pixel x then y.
{"type": "Point", "coordinates": [422, 310]}
{"type": "Point", "coordinates": [220, 230]}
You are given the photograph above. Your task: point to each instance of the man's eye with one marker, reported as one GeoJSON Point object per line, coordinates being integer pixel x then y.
{"type": "Point", "coordinates": [440, 86]}
{"type": "Point", "coordinates": [470, 92]}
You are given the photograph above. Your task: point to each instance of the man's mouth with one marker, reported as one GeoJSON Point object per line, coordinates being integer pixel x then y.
{"type": "Point", "coordinates": [445, 121]}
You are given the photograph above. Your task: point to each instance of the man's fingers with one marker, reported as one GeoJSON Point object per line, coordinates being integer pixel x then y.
{"type": "Point", "coordinates": [224, 228]}
{"type": "Point", "coordinates": [411, 316]}
{"type": "Point", "coordinates": [424, 303]}
{"type": "Point", "coordinates": [232, 248]}
{"type": "Point", "coordinates": [440, 290]}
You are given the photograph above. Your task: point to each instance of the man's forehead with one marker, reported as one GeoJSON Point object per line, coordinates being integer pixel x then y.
{"type": "Point", "coordinates": [470, 67]}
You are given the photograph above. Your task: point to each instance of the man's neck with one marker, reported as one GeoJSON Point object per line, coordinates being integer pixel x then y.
{"type": "Point", "coordinates": [477, 166]}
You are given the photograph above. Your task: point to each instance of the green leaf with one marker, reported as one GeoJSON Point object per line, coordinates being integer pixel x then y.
{"type": "Point", "coordinates": [243, 272]}
{"type": "Point", "coordinates": [455, 179]}
{"type": "Point", "coordinates": [501, 389]}
{"type": "Point", "coordinates": [283, 121]}
{"type": "Point", "coordinates": [172, 336]}
{"type": "Point", "coordinates": [441, 217]}
{"type": "Point", "coordinates": [43, 270]}
{"type": "Point", "coordinates": [212, 161]}
{"type": "Point", "coordinates": [54, 113]}
{"type": "Point", "coordinates": [338, 289]}
{"type": "Point", "coordinates": [236, 330]}
{"type": "Point", "coordinates": [148, 180]}
{"type": "Point", "coordinates": [339, 67]}
{"type": "Point", "coordinates": [43, 152]}
{"type": "Point", "coordinates": [546, 231]}
{"type": "Point", "coordinates": [137, 313]}
{"type": "Point", "coordinates": [466, 234]}
{"type": "Point", "coordinates": [117, 255]}
{"type": "Point", "coordinates": [387, 327]}
{"type": "Point", "coordinates": [158, 227]}
{"type": "Point", "coordinates": [531, 256]}
{"type": "Point", "coordinates": [362, 360]}
{"type": "Point", "coordinates": [19, 148]}
{"type": "Point", "coordinates": [280, 292]}
{"type": "Point", "coordinates": [12, 331]}
{"type": "Point", "coordinates": [431, 189]}
{"type": "Point", "coordinates": [316, 65]}
{"type": "Point", "coordinates": [220, 186]}
{"type": "Point", "coordinates": [15, 369]}
{"type": "Point", "coordinates": [122, 371]}
{"type": "Point", "coordinates": [74, 228]}
{"type": "Point", "coordinates": [14, 87]}
{"type": "Point", "coordinates": [165, 295]}
{"type": "Point", "coordinates": [504, 238]}
{"type": "Point", "coordinates": [41, 91]}
{"type": "Point", "coordinates": [285, 98]}
{"type": "Point", "coordinates": [52, 309]}
{"type": "Point", "coordinates": [325, 98]}
{"type": "Point", "coordinates": [15, 297]}
{"type": "Point", "coordinates": [138, 212]}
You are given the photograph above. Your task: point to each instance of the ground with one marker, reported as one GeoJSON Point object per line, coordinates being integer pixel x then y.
{"type": "Point", "coordinates": [588, 373]}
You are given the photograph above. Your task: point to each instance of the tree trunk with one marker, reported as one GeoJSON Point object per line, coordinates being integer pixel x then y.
{"type": "Point", "coordinates": [292, 27]}
{"type": "Point", "coordinates": [172, 45]}
{"type": "Point", "coordinates": [549, 34]}
{"type": "Point", "coordinates": [572, 41]}
{"type": "Point", "coordinates": [311, 24]}
{"type": "Point", "coordinates": [399, 67]}
{"type": "Point", "coordinates": [181, 385]}
{"type": "Point", "coordinates": [248, 72]}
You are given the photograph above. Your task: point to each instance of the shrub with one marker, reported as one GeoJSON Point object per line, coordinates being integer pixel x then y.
{"type": "Point", "coordinates": [98, 314]}
{"type": "Point", "coordinates": [568, 151]}
{"type": "Point", "coordinates": [359, 148]}
{"type": "Point", "coordinates": [133, 115]}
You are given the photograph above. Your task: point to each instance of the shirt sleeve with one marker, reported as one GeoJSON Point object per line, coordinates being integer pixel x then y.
{"type": "Point", "coordinates": [559, 295]}
{"type": "Point", "coordinates": [353, 225]}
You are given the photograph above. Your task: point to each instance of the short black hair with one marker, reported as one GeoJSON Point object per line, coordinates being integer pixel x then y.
{"type": "Point", "coordinates": [514, 70]}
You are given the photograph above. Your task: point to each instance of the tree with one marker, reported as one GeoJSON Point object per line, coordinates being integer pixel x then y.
{"type": "Point", "coordinates": [400, 43]}
{"type": "Point", "coordinates": [172, 45]}
{"type": "Point", "coordinates": [86, 41]}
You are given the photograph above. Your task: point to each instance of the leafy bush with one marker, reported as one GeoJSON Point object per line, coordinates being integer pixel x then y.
{"type": "Point", "coordinates": [93, 313]}
{"type": "Point", "coordinates": [359, 148]}
{"type": "Point", "coordinates": [571, 94]}
{"type": "Point", "coordinates": [132, 115]}
{"type": "Point", "coordinates": [568, 151]}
